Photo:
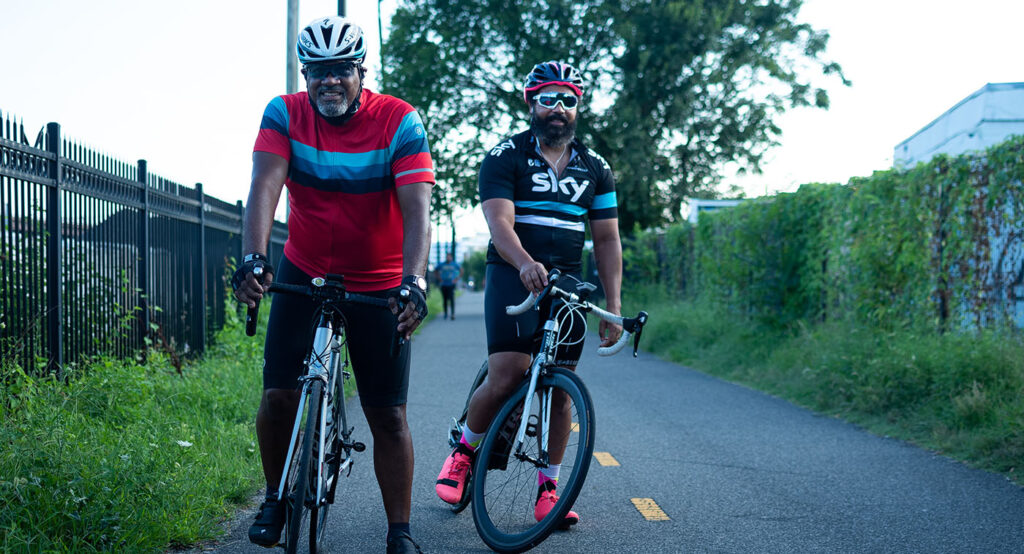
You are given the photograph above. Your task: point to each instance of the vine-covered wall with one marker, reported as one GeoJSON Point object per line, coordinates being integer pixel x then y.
{"type": "Point", "coordinates": [939, 245]}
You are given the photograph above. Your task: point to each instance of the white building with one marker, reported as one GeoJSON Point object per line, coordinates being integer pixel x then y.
{"type": "Point", "coordinates": [696, 206]}
{"type": "Point", "coordinates": [987, 117]}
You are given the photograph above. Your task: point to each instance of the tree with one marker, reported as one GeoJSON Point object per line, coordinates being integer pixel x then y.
{"type": "Point", "coordinates": [676, 89]}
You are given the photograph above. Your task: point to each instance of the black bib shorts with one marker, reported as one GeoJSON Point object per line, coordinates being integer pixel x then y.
{"type": "Point", "coordinates": [523, 333]}
{"type": "Point", "coordinates": [382, 380]}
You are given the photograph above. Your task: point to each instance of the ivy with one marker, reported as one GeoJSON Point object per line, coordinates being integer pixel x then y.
{"type": "Point", "coordinates": [939, 245]}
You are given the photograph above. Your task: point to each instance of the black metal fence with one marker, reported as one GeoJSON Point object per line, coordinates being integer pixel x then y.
{"type": "Point", "coordinates": [100, 257]}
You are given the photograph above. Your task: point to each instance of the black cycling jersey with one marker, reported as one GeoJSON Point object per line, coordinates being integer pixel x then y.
{"type": "Point", "coordinates": [549, 209]}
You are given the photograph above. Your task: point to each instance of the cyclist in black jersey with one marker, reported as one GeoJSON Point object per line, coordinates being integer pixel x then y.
{"type": "Point", "coordinates": [538, 189]}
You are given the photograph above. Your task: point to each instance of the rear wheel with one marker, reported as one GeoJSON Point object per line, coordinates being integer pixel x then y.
{"type": "Point", "coordinates": [456, 434]}
{"type": "Point", "coordinates": [298, 491]}
{"type": "Point", "coordinates": [505, 486]}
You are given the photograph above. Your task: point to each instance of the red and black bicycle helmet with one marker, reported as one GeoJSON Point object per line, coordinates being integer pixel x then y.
{"type": "Point", "coordinates": [552, 73]}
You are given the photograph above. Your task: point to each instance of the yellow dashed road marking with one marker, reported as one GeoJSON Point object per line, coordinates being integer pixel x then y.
{"type": "Point", "coordinates": [605, 459]}
{"type": "Point", "coordinates": [650, 509]}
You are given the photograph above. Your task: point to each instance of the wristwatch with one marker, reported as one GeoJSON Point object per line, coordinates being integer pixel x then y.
{"type": "Point", "coordinates": [416, 280]}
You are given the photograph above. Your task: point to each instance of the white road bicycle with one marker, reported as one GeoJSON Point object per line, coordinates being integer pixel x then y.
{"type": "Point", "coordinates": [321, 445]}
{"type": "Point", "coordinates": [503, 480]}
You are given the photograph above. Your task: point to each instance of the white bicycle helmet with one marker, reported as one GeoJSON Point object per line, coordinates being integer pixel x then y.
{"type": "Point", "coordinates": [329, 39]}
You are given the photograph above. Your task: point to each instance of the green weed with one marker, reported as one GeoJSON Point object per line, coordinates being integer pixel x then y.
{"type": "Point", "coordinates": [124, 457]}
{"type": "Point", "coordinates": [961, 394]}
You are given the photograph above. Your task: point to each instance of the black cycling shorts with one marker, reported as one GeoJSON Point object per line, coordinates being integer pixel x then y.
{"type": "Point", "coordinates": [523, 333]}
{"type": "Point", "coordinates": [381, 379]}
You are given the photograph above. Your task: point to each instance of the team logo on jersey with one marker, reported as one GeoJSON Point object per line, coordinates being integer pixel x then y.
{"type": "Point", "coordinates": [544, 183]}
{"type": "Point", "coordinates": [533, 162]}
{"type": "Point", "coordinates": [497, 150]}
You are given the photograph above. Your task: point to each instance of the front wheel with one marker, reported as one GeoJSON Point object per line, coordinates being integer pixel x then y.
{"type": "Point", "coordinates": [505, 485]}
{"type": "Point", "coordinates": [298, 492]}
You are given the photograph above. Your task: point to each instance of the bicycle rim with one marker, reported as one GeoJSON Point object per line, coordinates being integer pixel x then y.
{"type": "Point", "coordinates": [503, 499]}
{"type": "Point", "coordinates": [298, 490]}
{"type": "Point", "coordinates": [481, 375]}
{"type": "Point", "coordinates": [318, 513]}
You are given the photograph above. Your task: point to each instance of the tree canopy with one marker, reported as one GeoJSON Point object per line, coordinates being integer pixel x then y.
{"type": "Point", "coordinates": [675, 89]}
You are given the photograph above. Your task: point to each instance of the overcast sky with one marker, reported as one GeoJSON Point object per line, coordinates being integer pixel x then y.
{"type": "Point", "coordinates": [183, 84]}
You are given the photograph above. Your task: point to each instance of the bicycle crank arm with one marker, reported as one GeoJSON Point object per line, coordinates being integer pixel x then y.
{"type": "Point", "coordinates": [541, 462]}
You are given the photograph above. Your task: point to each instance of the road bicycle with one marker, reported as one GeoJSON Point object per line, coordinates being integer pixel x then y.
{"type": "Point", "coordinates": [321, 445]}
{"type": "Point", "coordinates": [522, 438]}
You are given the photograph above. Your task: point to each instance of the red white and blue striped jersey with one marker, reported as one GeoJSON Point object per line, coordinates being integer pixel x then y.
{"type": "Point", "coordinates": [342, 184]}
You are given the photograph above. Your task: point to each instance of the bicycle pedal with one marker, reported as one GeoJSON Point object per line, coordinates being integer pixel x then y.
{"type": "Point", "coordinates": [358, 446]}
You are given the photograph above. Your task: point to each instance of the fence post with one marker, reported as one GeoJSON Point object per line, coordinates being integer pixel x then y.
{"type": "Point", "coordinates": [241, 231]}
{"type": "Point", "coordinates": [202, 264]}
{"type": "Point", "coordinates": [54, 261]}
{"type": "Point", "coordinates": [143, 284]}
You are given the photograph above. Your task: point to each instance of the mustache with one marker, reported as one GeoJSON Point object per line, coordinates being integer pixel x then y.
{"type": "Point", "coordinates": [556, 117]}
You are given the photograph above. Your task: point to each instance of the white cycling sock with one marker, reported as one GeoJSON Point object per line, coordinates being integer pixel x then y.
{"type": "Point", "coordinates": [471, 439]}
{"type": "Point", "coordinates": [549, 473]}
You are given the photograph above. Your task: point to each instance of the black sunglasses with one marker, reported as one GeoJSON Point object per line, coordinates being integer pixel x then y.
{"type": "Point", "coordinates": [322, 70]}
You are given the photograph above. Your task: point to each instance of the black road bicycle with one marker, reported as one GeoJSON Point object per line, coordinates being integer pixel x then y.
{"type": "Point", "coordinates": [522, 437]}
{"type": "Point", "coordinates": [321, 446]}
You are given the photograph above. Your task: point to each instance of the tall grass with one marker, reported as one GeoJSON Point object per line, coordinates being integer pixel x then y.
{"type": "Point", "coordinates": [126, 457]}
{"type": "Point", "coordinates": [958, 394]}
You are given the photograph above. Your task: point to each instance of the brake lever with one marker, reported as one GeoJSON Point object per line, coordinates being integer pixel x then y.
{"type": "Point", "coordinates": [252, 314]}
{"type": "Point", "coordinates": [397, 340]}
{"type": "Point", "coordinates": [641, 319]}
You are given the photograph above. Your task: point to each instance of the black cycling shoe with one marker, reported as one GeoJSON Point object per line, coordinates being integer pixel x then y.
{"type": "Point", "coordinates": [266, 530]}
{"type": "Point", "coordinates": [402, 543]}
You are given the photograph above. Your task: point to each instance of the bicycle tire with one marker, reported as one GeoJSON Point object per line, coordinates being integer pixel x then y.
{"type": "Point", "coordinates": [297, 491]}
{"type": "Point", "coordinates": [333, 458]}
{"type": "Point", "coordinates": [455, 433]}
{"type": "Point", "coordinates": [504, 494]}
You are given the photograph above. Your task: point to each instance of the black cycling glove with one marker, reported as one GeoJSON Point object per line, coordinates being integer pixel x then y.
{"type": "Point", "coordinates": [249, 263]}
{"type": "Point", "coordinates": [410, 291]}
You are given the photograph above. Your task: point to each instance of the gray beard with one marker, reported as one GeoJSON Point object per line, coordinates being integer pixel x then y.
{"type": "Point", "coordinates": [332, 109]}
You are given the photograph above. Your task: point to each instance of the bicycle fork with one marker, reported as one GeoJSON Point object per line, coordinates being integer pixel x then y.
{"type": "Point", "coordinates": [544, 423]}
{"type": "Point", "coordinates": [316, 371]}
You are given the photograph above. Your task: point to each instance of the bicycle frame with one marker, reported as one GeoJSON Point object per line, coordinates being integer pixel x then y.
{"type": "Point", "coordinates": [546, 356]}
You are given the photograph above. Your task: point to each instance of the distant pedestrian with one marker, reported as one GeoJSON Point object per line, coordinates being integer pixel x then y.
{"type": "Point", "coordinates": [449, 273]}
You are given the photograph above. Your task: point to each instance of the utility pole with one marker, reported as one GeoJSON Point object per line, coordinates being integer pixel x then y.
{"type": "Point", "coordinates": [380, 42]}
{"type": "Point", "coordinates": [292, 64]}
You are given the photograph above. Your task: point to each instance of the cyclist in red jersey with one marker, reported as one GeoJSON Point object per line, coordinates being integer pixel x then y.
{"type": "Point", "coordinates": [359, 175]}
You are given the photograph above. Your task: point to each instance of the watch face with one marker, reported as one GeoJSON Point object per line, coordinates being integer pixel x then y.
{"type": "Point", "coordinates": [421, 283]}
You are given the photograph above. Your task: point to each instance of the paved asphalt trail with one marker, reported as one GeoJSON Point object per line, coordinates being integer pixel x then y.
{"type": "Point", "coordinates": [733, 469]}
